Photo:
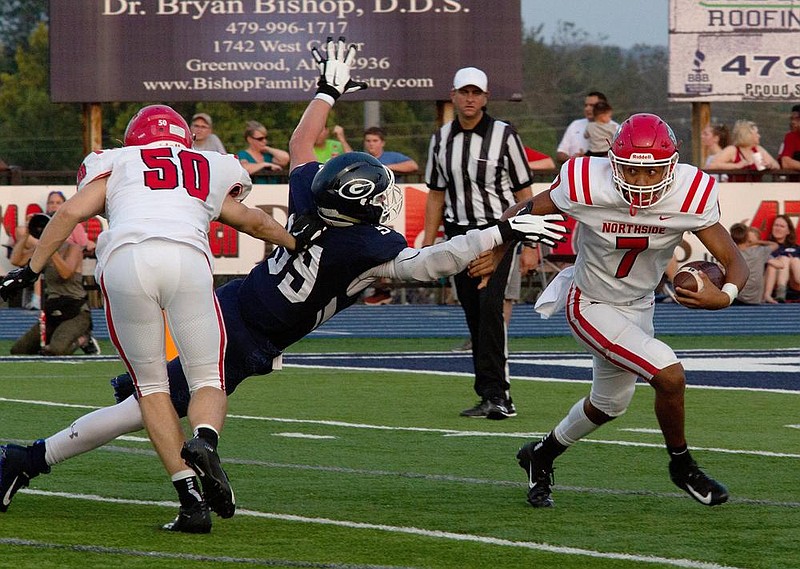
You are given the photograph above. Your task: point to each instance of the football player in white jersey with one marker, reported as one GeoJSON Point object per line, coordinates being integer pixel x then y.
{"type": "Point", "coordinates": [159, 197]}
{"type": "Point", "coordinates": [632, 210]}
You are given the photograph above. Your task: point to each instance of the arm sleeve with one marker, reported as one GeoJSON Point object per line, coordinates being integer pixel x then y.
{"type": "Point", "coordinates": [439, 260]}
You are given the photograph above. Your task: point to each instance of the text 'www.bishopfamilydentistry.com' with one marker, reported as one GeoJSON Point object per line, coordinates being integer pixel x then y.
{"type": "Point", "coordinates": [296, 83]}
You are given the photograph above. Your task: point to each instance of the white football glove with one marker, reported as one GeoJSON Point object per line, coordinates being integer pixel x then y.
{"type": "Point", "coordinates": [537, 228]}
{"type": "Point", "coordinates": [334, 71]}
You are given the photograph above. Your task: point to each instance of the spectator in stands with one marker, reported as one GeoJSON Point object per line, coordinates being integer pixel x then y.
{"type": "Point", "coordinates": [203, 131]}
{"type": "Point", "coordinates": [573, 142]}
{"type": "Point", "coordinates": [756, 253]}
{"type": "Point", "coordinates": [714, 137]}
{"type": "Point", "coordinates": [789, 153]}
{"type": "Point", "coordinates": [66, 316]}
{"type": "Point", "coordinates": [600, 130]}
{"type": "Point", "coordinates": [399, 163]}
{"type": "Point", "coordinates": [326, 148]}
{"type": "Point", "coordinates": [744, 153]}
{"type": "Point", "coordinates": [259, 158]}
{"type": "Point", "coordinates": [783, 269]}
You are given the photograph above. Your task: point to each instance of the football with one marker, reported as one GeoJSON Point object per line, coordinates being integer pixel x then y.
{"type": "Point", "coordinates": [688, 275]}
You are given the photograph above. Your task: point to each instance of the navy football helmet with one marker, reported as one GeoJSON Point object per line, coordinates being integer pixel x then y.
{"type": "Point", "coordinates": [356, 188]}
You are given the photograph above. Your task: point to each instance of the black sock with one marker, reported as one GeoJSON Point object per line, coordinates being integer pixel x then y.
{"type": "Point", "coordinates": [208, 435]}
{"type": "Point", "coordinates": [36, 463]}
{"type": "Point", "coordinates": [549, 448]}
{"type": "Point", "coordinates": [680, 456]}
{"type": "Point", "coordinates": [188, 491]}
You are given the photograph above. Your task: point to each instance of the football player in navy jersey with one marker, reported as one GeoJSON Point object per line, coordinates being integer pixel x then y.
{"type": "Point", "coordinates": [341, 208]}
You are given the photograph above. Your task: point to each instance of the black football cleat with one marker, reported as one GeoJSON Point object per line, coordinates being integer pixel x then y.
{"type": "Point", "coordinates": [204, 460]}
{"type": "Point", "coordinates": [698, 484]}
{"type": "Point", "coordinates": [494, 408]}
{"type": "Point", "coordinates": [502, 409]}
{"type": "Point", "coordinates": [194, 519]}
{"type": "Point", "coordinates": [540, 477]}
{"type": "Point", "coordinates": [13, 459]}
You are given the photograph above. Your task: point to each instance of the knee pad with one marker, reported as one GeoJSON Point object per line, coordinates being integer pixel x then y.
{"type": "Point", "coordinates": [614, 405]}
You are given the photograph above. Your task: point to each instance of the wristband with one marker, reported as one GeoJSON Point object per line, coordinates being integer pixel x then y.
{"type": "Point", "coordinates": [731, 290]}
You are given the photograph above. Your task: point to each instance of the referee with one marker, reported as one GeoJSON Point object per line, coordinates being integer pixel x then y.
{"type": "Point", "coordinates": [476, 169]}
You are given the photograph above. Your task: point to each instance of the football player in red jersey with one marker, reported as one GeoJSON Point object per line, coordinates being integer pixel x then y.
{"type": "Point", "coordinates": [160, 196]}
{"type": "Point", "coordinates": [632, 209]}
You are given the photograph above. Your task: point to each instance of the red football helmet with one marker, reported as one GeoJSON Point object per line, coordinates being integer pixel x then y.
{"type": "Point", "coordinates": [643, 140]}
{"type": "Point", "coordinates": [158, 123]}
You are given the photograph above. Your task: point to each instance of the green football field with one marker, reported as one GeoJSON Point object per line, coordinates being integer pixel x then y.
{"type": "Point", "coordinates": [346, 469]}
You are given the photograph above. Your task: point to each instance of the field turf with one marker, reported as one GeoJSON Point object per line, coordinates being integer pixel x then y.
{"type": "Point", "coordinates": [345, 469]}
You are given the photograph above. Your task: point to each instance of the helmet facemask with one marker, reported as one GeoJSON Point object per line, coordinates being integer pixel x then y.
{"type": "Point", "coordinates": [642, 197]}
{"type": "Point", "coordinates": [390, 200]}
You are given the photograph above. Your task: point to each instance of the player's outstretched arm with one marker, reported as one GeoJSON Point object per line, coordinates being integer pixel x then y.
{"type": "Point", "coordinates": [255, 222]}
{"type": "Point", "coordinates": [334, 80]}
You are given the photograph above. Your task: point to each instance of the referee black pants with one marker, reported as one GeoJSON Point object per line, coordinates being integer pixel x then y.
{"type": "Point", "coordinates": [483, 309]}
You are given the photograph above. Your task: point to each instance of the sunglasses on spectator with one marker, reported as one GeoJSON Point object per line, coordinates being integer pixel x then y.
{"type": "Point", "coordinates": [259, 138]}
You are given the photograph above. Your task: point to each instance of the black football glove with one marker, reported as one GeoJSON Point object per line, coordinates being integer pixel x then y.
{"type": "Point", "coordinates": [537, 228]}
{"type": "Point", "coordinates": [334, 71]}
{"type": "Point", "coordinates": [306, 229]}
{"type": "Point", "coordinates": [17, 280]}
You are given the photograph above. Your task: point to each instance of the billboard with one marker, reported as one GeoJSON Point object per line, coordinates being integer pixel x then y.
{"type": "Point", "coordinates": [727, 50]}
{"type": "Point", "coordinates": [258, 50]}
{"type": "Point", "coordinates": [236, 253]}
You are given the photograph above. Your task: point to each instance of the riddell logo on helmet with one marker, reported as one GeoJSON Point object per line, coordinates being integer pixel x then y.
{"type": "Point", "coordinates": [641, 156]}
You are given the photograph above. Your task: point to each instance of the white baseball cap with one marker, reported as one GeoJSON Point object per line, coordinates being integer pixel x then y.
{"type": "Point", "coordinates": [470, 76]}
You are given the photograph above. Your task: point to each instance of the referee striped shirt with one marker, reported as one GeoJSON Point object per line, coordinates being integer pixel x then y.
{"type": "Point", "coordinates": [480, 169]}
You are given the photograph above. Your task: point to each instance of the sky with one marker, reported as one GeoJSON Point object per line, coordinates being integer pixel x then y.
{"type": "Point", "coordinates": [625, 22]}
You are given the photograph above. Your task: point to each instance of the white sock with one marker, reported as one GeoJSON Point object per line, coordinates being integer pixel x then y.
{"type": "Point", "coordinates": [205, 426]}
{"type": "Point", "coordinates": [574, 426]}
{"type": "Point", "coordinates": [183, 474]}
{"type": "Point", "coordinates": [94, 430]}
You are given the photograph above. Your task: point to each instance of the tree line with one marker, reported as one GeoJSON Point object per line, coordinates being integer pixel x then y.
{"type": "Point", "coordinates": [36, 134]}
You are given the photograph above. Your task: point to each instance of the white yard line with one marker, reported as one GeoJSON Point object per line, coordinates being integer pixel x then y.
{"type": "Point", "coordinates": [435, 534]}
